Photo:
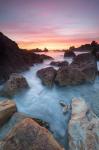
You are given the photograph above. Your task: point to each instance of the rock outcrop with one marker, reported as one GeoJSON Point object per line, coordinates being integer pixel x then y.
{"type": "Point", "coordinates": [47, 75]}
{"type": "Point", "coordinates": [69, 76]}
{"type": "Point", "coordinates": [29, 135]}
{"type": "Point", "coordinates": [16, 118]}
{"type": "Point", "coordinates": [82, 69]}
{"type": "Point", "coordinates": [7, 109]}
{"type": "Point", "coordinates": [59, 63]}
{"type": "Point", "coordinates": [69, 53]}
{"type": "Point", "coordinates": [83, 128]}
{"type": "Point", "coordinates": [87, 64]}
{"type": "Point", "coordinates": [13, 59]}
{"type": "Point", "coordinates": [15, 83]}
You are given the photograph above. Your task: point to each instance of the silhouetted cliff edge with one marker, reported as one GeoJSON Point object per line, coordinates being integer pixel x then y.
{"type": "Point", "coordinates": [13, 59]}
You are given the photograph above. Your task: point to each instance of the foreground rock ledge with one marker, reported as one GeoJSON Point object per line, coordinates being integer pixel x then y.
{"type": "Point", "coordinates": [28, 135]}
{"type": "Point", "coordinates": [7, 108]}
{"type": "Point", "coordinates": [83, 127]}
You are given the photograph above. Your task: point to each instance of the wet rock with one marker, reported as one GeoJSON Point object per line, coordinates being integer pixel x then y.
{"type": "Point", "coordinates": [13, 121]}
{"type": "Point", "coordinates": [82, 69]}
{"type": "Point", "coordinates": [15, 83]}
{"type": "Point", "coordinates": [83, 127]}
{"type": "Point", "coordinates": [69, 53]}
{"type": "Point", "coordinates": [42, 123]}
{"type": "Point", "coordinates": [13, 59]}
{"type": "Point", "coordinates": [59, 63]}
{"type": "Point", "coordinates": [47, 75]}
{"type": "Point", "coordinates": [66, 107]}
{"type": "Point", "coordinates": [16, 118]}
{"type": "Point", "coordinates": [69, 76]}
{"type": "Point", "coordinates": [45, 57]}
{"type": "Point", "coordinates": [7, 109]}
{"type": "Point", "coordinates": [29, 135]}
{"type": "Point", "coordinates": [87, 64]}
{"type": "Point", "coordinates": [1, 144]}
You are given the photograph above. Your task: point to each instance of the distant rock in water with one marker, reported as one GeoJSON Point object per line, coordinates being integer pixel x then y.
{"type": "Point", "coordinates": [15, 83]}
{"type": "Point", "coordinates": [83, 128]}
{"type": "Point", "coordinates": [59, 63]}
{"type": "Point", "coordinates": [43, 56]}
{"type": "Point", "coordinates": [28, 135]}
{"type": "Point", "coordinates": [13, 59]}
{"type": "Point", "coordinates": [69, 53]}
{"type": "Point", "coordinates": [47, 75]}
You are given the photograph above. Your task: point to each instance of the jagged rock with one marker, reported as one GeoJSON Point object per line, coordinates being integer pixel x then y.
{"type": "Point", "coordinates": [87, 64]}
{"type": "Point", "coordinates": [13, 59]}
{"type": "Point", "coordinates": [47, 75]}
{"type": "Point", "coordinates": [59, 63]}
{"type": "Point", "coordinates": [29, 135]}
{"type": "Point", "coordinates": [69, 76]}
{"type": "Point", "coordinates": [15, 83]}
{"type": "Point", "coordinates": [69, 53]}
{"type": "Point", "coordinates": [82, 69]}
{"type": "Point", "coordinates": [83, 128]}
{"type": "Point", "coordinates": [13, 121]}
{"type": "Point", "coordinates": [7, 108]}
{"type": "Point", "coordinates": [16, 118]}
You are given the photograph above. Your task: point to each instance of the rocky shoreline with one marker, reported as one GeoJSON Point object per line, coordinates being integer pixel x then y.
{"type": "Point", "coordinates": [83, 69]}
{"type": "Point", "coordinates": [20, 131]}
{"type": "Point", "coordinates": [25, 132]}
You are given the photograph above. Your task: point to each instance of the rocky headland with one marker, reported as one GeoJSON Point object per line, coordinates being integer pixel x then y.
{"type": "Point", "coordinates": [13, 59]}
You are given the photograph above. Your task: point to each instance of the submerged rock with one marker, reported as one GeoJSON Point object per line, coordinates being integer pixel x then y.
{"type": "Point", "coordinates": [83, 128]}
{"type": "Point", "coordinates": [15, 83]}
{"type": "Point", "coordinates": [59, 63]}
{"type": "Point", "coordinates": [7, 109]}
{"type": "Point", "coordinates": [47, 75]}
{"type": "Point", "coordinates": [69, 53]}
{"type": "Point", "coordinates": [29, 135]}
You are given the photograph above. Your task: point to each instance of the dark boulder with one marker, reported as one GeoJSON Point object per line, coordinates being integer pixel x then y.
{"type": "Point", "coordinates": [69, 76]}
{"type": "Point", "coordinates": [59, 63]}
{"type": "Point", "coordinates": [82, 69]}
{"type": "Point", "coordinates": [47, 75]}
{"type": "Point", "coordinates": [69, 53]}
{"type": "Point", "coordinates": [15, 83]}
{"type": "Point", "coordinates": [87, 64]}
{"type": "Point", "coordinates": [45, 57]}
{"type": "Point", "coordinates": [13, 59]}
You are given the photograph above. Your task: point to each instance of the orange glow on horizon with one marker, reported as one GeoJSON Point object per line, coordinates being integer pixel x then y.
{"type": "Point", "coordinates": [52, 45]}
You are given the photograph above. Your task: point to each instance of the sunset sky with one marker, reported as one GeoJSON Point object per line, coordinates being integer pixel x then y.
{"type": "Point", "coordinates": [54, 24]}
